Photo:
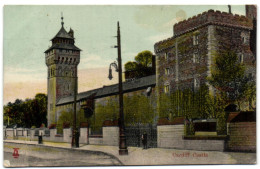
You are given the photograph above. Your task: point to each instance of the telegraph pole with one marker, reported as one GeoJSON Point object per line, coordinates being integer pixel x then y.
{"type": "Point", "coordinates": [74, 142]}
{"type": "Point", "coordinates": [122, 140]}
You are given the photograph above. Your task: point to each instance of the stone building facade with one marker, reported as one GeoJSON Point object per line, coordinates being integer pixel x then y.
{"type": "Point", "coordinates": [90, 99]}
{"type": "Point", "coordinates": [185, 59]}
{"type": "Point", "coordinates": [62, 59]}
{"type": "Point", "coordinates": [182, 61]}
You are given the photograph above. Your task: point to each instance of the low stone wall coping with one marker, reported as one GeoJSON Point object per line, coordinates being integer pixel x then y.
{"type": "Point", "coordinates": [96, 136]}
{"type": "Point", "coordinates": [220, 137]}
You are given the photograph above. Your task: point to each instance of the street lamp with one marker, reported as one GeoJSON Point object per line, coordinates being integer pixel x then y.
{"type": "Point", "coordinates": [122, 138]}
{"type": "Point", "coordinates": [110, 70]}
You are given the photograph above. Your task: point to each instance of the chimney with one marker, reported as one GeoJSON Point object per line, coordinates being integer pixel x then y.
{"type": "Point", "coordinates": [229, 9]}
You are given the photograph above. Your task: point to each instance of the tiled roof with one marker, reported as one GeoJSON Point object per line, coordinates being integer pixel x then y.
{"type": "Point", "coordinates": [62, 34]}
{"type": "Point", "coordinates": [63, 46]}
{"type": "Point", "coordinates": [129, 86]}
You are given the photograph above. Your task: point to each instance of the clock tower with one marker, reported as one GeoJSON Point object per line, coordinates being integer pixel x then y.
{"type": "Point", "coordinates": [62, 59]}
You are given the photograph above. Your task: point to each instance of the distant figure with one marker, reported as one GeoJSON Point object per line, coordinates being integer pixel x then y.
{"type": "Point", "coordinates": [144, 140]}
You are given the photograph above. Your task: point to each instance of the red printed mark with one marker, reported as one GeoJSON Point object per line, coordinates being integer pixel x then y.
{"type": "Point", "coordinates": [16, 153]}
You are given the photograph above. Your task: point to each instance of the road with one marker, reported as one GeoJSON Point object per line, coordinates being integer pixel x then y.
{"type": "Point", "coordinates": [60, 154]}
{"type": "Point", "coordinates": [43, 156]}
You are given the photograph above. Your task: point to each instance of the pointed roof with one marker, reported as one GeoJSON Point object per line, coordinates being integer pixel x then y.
{"type": "Point", "coordinates": [63, 46]}
{"type": "Point", "coordinates": [62, 34]}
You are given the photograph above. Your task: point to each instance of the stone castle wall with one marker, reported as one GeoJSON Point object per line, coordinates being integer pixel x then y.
{"type": "Point", "coordinates": [212, 17]}
{"type": "Point", "coordinates": [216, 32]}
{"type": "Point", "coordinates": [242, 136]}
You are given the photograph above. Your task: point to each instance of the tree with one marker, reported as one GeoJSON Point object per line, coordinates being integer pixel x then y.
{"type": "Point", "coordinates": [31, 112]}
{"type": "Point", "coordinates": [142, 66]}
{"type": "Point", "coordinates": [144, 58]}
{"type": "Point", "coordinates": [228, 77]}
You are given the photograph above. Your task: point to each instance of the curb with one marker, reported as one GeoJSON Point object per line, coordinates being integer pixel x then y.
{"type": "Point", "coordinates": [71, 149]}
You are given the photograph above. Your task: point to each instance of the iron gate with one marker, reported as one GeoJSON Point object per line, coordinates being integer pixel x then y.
{"type": "Point", "coordinates": [134, 134]}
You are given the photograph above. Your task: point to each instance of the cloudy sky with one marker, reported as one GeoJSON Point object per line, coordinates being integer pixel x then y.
{"type": "Point", "coordinates": [28, 30]}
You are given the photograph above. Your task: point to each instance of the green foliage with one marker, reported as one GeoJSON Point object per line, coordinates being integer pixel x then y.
{"type": "Point", "coordinates": [27, 113]}
{"type": "Point", "coordinates": [189, 129]}
{"type": "Point", "coordinates": [131, 65]}
{"type": "Point", "coordinates": [67, 116]}
{"type": "Point", "coordinates": [137, 109]}
{"type": "Point", "coordinates": [250, 94]}
{"type": "Point", "coordinates": [144, 58]}
{"type": "Point", "coordinates": [228, 77]}
{"type": "Point", "coordinates": [108, 111]}
{"type": "Point", "coordinates": [141, 66]}
{"type": "Point", "coordinates": [193, 104]}
{"type": "Point", "coordinates": [188, 103]}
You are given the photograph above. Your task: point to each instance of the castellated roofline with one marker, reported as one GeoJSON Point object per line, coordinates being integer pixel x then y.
{"type": "Point", "coordinates": [209, 17]}
{"type": "Point", "coordinates": [213, 16]}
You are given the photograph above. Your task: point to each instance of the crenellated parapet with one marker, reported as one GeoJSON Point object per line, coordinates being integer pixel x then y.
{"type": "Point", "coordinates": [213, 17]}
{"type": "Point", "coordinates": [209, 17]}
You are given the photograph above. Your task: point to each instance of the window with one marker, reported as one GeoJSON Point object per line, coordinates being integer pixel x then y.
{"type": "Point", "coordinates": [167, 71]}
{"type": "Point", "coordinates": [166, 56]}
{"type": "Point", "coordinates": [244, 40]}
{"type": "Point", "coordinates": [244, 36]}
{"type": "Point", "coordinates": [166, 88]}
{"type": "Point", "coordinates": [241, 58]}
{"type": "Point", "coordinates": [196, 83]}
{"type": "Point", "coordinates": [196, 57]}
{"type": "Point", "coordinates": [195, 39]}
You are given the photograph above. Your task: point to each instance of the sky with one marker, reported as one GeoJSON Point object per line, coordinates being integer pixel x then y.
{"type": "Point", "coordinates": [28, 30]}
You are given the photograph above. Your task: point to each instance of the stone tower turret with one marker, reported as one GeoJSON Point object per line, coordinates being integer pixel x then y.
{"type": "Point", "coordinates": [62, 59]}
{"type": "Point", "coordinates": [251, 11]}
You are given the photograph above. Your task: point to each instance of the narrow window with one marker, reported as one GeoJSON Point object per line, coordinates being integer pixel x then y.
{"type": "Point", "coordinates": [51, 107]}
{"type": "Point", "coordinates": [196, 57]}
{"type": "Point", "coordinates": [243, 40]}
{"type": "Point", "coordinates": [167, 71]}
{"type": "Point", "coordinates": [195, 39]}
{"type": "Point", "coordinates": [167, 56]}
{"type": "Point", "coordinates": [166, 88]}
{"type": "Point", "coordinates": [241, 58]}
{"type": "Point", "coordinates": [196, 83]}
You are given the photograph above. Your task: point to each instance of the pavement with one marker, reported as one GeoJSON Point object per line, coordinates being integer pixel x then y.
{"type": "Point", "coordinates": [157, 156]}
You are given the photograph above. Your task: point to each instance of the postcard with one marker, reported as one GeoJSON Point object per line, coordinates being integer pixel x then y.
{"type": "Point", "coordinates": [124, 85]}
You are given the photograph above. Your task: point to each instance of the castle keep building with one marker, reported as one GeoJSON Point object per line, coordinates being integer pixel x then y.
{"type": "Point", "coordinates": [185, 60]}
{"type": "Point", "coordinates": [62, 59]}
{"type": "Point", "coordinates": [182, 61]}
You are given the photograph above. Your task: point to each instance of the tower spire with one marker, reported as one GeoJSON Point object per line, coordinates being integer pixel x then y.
{"type": "Point", "coordinates": [62, 23]}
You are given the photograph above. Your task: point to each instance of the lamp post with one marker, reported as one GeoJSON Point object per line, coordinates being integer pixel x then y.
{"type": "Point", "coordinates": [122, 138]}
